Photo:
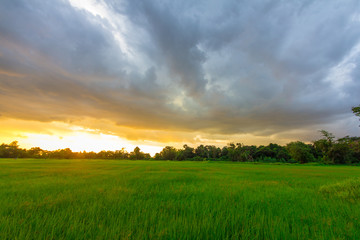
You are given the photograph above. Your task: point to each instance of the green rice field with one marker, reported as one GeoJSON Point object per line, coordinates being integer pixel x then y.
{"type": "Point", "coordinates": [115, 199]}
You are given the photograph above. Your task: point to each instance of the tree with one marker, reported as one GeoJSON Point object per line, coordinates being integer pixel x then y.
{"type": "Point", "coordinates": [356, 111]}
{"type": "Point", "coordinates": [61, 154]}
{"type": "Point", "coordinates": [328, 136]}
{"type": "Point", "coordinates": [200, 151]}
{"type": "Point", "coordinates": [212, 152]}
{"type": "Point", "coordinates": [324, 145]}
{"type": "Point", "coordinates": [168, 153]}
{"type": "Point", "coordinates": [233, 151]}
{"type": "Point", "coordinates": [35, 152]}
{"type": "Point", "coordinates": [186, 153]}
{"type": "Point", "coordinates": [340, 153]}
{"type": "Point", "coordinates": [121, 154]}
{"type": "Point", "coordinates": [137, 154]}
{"type": "Point", "coordinates": [11, 150]}
{"type": "Point", "coordinates": [300, 152]}
{"type": "Point", "coordinates": [273, 151]}
{"type": "Point", "coordinates": [353, 145]}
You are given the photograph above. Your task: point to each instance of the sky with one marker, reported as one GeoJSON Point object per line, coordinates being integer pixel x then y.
{"type": "Point", "coordinates": [96, 74]}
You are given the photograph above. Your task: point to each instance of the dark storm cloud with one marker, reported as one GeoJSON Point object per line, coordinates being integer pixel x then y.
{"type": "Point", "coordinates": [175, 38]}
{"type": "Point", "coordinates": [75, 41]}
{"type": "Point", "coordinates": [224, 67]}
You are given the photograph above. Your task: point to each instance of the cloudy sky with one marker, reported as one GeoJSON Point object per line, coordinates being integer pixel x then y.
{"type": "Point", "coordinates": [93, 74]}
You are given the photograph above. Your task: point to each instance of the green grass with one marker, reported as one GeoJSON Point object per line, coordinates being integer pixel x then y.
{"type": "Point", "coordinates": [108, 199]}
{"type": "Point", "coordinates": [349, 189]}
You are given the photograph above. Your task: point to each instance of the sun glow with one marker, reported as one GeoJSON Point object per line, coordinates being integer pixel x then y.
{"type": "Point", "coordinates": [59, 135]}
{"type": "Point", "coordinates": [80, 141]}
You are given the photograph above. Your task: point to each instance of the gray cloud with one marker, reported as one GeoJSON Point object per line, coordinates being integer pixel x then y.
{"type": "Point", "coordinates": [260, 67]}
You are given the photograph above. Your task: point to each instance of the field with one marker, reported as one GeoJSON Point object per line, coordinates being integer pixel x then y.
{"type": "Point", "coordinates": [109, 199]}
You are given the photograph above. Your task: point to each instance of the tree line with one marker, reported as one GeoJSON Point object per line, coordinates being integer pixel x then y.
{"type": "Point", "coordinates": [326, 150]}
{"type": "Point", "coordinates": [13, 150]}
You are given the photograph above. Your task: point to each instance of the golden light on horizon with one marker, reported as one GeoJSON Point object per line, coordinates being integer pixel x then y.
{"type": "Point", "coordinates": [90, 134]}
{"type": "Point", "coordinates": [59, 135]}
{"type": "Point", "coordinates": [79, 141]}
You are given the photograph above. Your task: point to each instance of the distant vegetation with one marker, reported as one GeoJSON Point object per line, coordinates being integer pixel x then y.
{"type": "Point", "coordinates": [327, 150]}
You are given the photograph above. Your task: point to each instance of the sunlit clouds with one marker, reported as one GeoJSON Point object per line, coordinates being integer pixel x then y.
{"type": "Point", "coordinates": [94, 74]}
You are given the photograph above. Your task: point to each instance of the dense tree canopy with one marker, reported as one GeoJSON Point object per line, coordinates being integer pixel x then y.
{"type": "Point", "coordinates": [327, 150]}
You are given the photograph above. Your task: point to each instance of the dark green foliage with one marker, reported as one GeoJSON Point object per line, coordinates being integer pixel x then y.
{"type": "Point", "coordinates": [188, 152]}
{"type": "Point", "coordinates": [11, 150]}
{"type": "Point", "coordinates": [353, 144]}
{"type": "Point", "coordinates": [356, 110]}
{"type": "Point", "coordinates": [200, 151]}
{"type": "Point", "coordinates": [35, 152]}
{"type": "Point", "coordinates": [168, 153]}
{"type": "Point", "coordinates": [326, 150]}
{"type": "Point", "coordinates": [329, 137]}
{"type": "Point", "coordinates": [137, 154]}
{"type": "Point", "coordinates": [321, 147]}
{"type": "Point", "coordinates": [300, 152]}
{"type": "Point", "coordinates": [198, 158]}
{"type": "Point", "coordinates": [341, 151]}
{"type": "Point", "coordinates": [273, 151]}
{"type": "Point", "coordinates": [268, 160]}
{"type": "Point", "coordinates": [240, 152]}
